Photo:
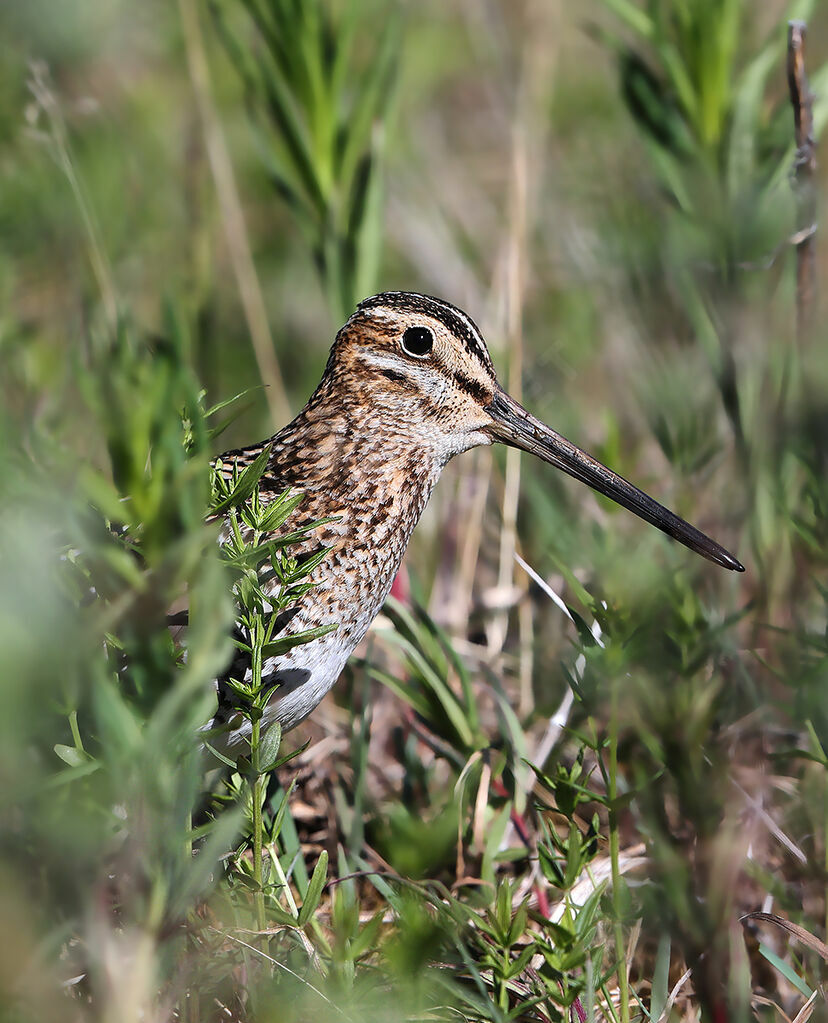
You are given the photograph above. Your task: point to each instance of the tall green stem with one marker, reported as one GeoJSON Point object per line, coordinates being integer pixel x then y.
{"type": "Point", "coordinates": [620, 948]}
{"type": "Point", "coordinates": [257, 794]}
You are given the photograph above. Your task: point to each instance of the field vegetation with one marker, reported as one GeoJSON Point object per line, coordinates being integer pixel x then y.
{"type": "Point", "coordinates": [575, 772]}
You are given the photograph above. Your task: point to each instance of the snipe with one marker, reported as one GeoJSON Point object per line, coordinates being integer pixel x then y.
{"type": "Point", "coordinates": [409, 383]}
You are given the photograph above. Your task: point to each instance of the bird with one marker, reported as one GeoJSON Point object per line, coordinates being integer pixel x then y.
{"type": "Point", "coordinates": [408, 385]}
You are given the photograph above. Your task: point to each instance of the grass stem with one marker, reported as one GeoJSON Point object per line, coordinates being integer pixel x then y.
{"type": "Point", "coordinates": [259, 779]}
{"type": "Point", "coordinates": [614, 847]}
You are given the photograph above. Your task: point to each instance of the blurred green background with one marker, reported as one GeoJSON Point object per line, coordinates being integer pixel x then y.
{"type": "Point", "coordinates": [605, 188]}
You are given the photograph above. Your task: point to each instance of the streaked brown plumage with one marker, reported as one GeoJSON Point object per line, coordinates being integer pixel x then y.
{"type": "Point", "coordinates": [409, 383]}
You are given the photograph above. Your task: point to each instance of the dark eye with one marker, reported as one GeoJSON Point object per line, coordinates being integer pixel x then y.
{"type": "Point", "coordinates": [418, 341]}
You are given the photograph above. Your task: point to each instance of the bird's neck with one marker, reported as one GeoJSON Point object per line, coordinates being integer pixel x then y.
{"type": "Point", "coordinates": [366, 455]}
{"type": "Point", "coordinates": [374, 475]}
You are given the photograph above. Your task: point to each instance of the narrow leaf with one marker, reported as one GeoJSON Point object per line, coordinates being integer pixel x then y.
{"type": "Point", "coordinates": [284, 643]}
{"type": "Point", "coordinates": [315, 886]}
{"type": "Point", "coordinates": [246, 484]}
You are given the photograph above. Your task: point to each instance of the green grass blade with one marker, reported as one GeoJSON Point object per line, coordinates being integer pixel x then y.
{"type": "Point", "coordinates": [787, 972]}
{"type": "Point", "coordinates": [314, 890]}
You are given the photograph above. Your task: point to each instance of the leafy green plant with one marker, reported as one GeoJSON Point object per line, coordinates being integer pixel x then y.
{"type": "Point", "coordinates": [319, 108]}
{"type": "Point", "coordinates": [697, 91]}
{"type": "Point", "coordinates": [255, 546]}
{"type": "Point", "coordinates": [405, 867]}
{"type": "Point", "coordinates": [431, 666]}
{"type": "Point", "coordinates": [698, 102]}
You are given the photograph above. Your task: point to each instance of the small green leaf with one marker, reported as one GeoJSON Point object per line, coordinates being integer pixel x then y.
{"type": "Point", "coordinates": [281, 916]}
{"type": "Point", "coordinates": [246, 484]}
{"type": "Point", "coordinates": [314, 892]}
{"type": "Point", "coordinates": [283, 643]}
{"type": "Point", "coordinates": [503, 910]}
{"type": "Point", "coordinates": [519, 922]}
{"type": "Point", "coordinates": [519, 964]}
{"type": "Point", "coordinates": [71, 755]}
{"type": "Point", "coordinates": [550, 867]}
{"type": "Point", "coordinates": [279, 510]}
{"type": "Point", "coordinates": [573, 856]}
{"type": "Point", "coordinates": [220, 756]}
{"type": "Point", "coordinates": [366, 940]}
{"type": "Point", "coordinates": [280, 813]}
{"type": "Point", "coordinates": [269, 746]}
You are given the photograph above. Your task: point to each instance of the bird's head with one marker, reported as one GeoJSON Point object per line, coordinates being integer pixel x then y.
{"type": "Point", "coordinates": [422, 363]}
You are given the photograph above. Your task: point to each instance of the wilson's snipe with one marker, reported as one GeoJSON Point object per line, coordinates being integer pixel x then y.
{"type": "Point", "coordinates": [408, 384]}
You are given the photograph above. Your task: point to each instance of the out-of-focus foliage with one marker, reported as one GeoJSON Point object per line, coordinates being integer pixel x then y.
{"type": "Point", "coordinates": [318, 103]}
{"type": "Point", "coordinates": [516, 790]}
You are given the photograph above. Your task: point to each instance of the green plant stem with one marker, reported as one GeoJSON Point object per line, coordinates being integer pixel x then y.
{"type": "Point", "coordinates": [609, 1005]}
{"type": "Point", "coordinates": [824, 817]}
{"type": "Point", "coordinates": [258, 794]}
{"type": "Point", "coordinates": [73, 725]}
{"type": "Point", "coordinates": [620, 948]}
{"type": "Point", "coordinates": [258, 777]}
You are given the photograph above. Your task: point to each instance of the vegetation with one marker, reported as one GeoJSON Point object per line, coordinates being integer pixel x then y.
{"type": "Point", "coordinates": [571, 758]}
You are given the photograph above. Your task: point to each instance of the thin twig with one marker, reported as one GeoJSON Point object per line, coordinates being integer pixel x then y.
{"type": "Point", "coordinates": [232, 215]}
{"type": "Point", "coordinates": [665, 1014]}
{"type": "Point", "coordinates": [774, 829]}
{"type": "Point", "coordinates": [804, 175]}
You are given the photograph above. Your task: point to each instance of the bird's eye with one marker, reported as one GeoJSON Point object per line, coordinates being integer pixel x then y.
{"type": "Point", "coordinates": [418, 341]}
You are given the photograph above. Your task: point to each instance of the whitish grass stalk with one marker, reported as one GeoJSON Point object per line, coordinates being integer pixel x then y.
{"type": "Point", "coordinates": [283, 881]}
{"type": "Point", "coordinates": [313, 955]}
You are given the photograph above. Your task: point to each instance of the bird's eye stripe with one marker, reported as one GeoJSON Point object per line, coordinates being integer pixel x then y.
{"type": "Point", "coordinates": [417, 341]}
{"type": "Point", "coordinates": [394, 376]}
{"type": "Point", "coordinates": [393, 368]}
{"type": "Point", "coordinates": [473, 387]}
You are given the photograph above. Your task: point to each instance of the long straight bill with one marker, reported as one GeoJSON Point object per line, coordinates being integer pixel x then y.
{"type": "Point", "coordinates": [515, 426]}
